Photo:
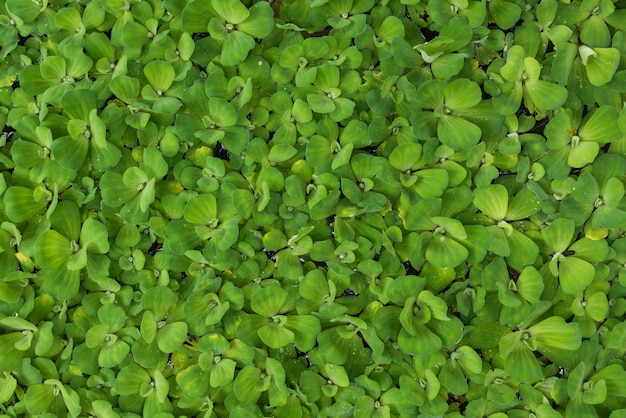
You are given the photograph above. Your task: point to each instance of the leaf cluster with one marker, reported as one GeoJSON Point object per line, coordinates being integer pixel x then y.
{"type": "Point", "coordinates": [299, 208]}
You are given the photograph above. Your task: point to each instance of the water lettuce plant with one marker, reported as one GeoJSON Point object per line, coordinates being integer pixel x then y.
{"type": "Point", "coordinates": [303, 208]}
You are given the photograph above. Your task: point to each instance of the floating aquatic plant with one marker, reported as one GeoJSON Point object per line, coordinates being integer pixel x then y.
{"type": "Point", "coordinates": [301, 208]}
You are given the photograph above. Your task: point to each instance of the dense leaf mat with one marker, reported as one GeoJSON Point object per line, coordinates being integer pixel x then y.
{"type": "Point", "coordinates": [312, 208]}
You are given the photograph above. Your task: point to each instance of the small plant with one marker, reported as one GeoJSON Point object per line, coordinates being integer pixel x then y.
{"type": "Point", "coordinates": [303, 208]}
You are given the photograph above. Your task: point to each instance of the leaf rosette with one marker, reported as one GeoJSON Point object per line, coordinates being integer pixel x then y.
{"type": "Point", "coordinates": [68, 248]}
{"type": "Point", "coordinates": [231, 24]}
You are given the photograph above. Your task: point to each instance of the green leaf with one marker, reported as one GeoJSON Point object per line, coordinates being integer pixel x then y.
{"type": "Point", "coordinates": [78, 260]}
{"type": "Point", "coordinates": [17, 323]}
{"type": "Point", "coordinates": [613, 375]}
{"type": "Point", "coordinates": [404, 54]}
{"type": "Point", "coordinates": [201, 209]}
{"type": "Point", "coordinates": [546, 12]}
{"type": "Point", "coordinates": [161, 386]}
{"type": "Point", "coordinates": [524, 205]}
{"type": "Point", "coordinates": [563, 62]}
{"type": "Point", "coordinates": [193, 381]}
{"type": "Point", "coordinates": [20, 204]}
{"type": "Point", "coordinates": [390, 28]}
{"type": "Point", "coordinates": [268, 301]}
{"type": "Point", "coordinates": [23, 10]}
{"type": "Point", "coordinates": [452, 227]}
{"type": "Point", "coordinates": [236, 48]}
{"type": "Point", "coordinates": [544, 95]}
{"type": "Point", "coordinates": [290, 57]}
{"type": "Point", "coordinates": [39, 399]}
{"type": "Point", "coordinates": [25, 153]}
{"type": "Point", "coordinates": [559, 234]}
{"type": "Point", "coordinates": [68, 18]}
{"type": "Point", "coordinates": [337, 374]}
{"type": "Point", "coordinates": [591, 250]}
{"type": "Point", "coordinates": [79, 103]}
{"type": "Point", "coordinates": [113, 353]}
{"type": "Point", "coordinates": [410, 319]}
{"type": "Point", "coordinates": [102, 407]}
{"type": "Point", "coordinates": [431, 182]}
{"type": "Point", "coordinates": [575, 274]}
{"type": "Point", "coordinates": [404, 287]}
{"type": "Point", "coordinates": [607, 217]}
{"type": "Point", "coordinates": [52, 250]}
{"type": "Point", "coordinates": [600, 63]}
{"type": "Point", "coordinates": [505, 13]}
{"type": "Point", "coordinates": [355, 133]}
{"type": "Point", "coordinates": [222, 373]}
{"type": "Point", "coordinates": [147, 195]}
{"type": "Point", "coordinates": [406, 156]}
{"type": "Point", "coordinates": [114, 192]}
{"type": "Point", "coordinates": [522, 365]}
{"type": "Point", "coordinates": [158, 300]}
{"type": "Point", "coordinates": [274, 335]}
{"type": "Point", "coordinates": [523, 250]}
{"type": "Point", "coordinates": [9, 384]}
{"type": "Point", "coordinates": [94, 236]}
{"type": "Point", "coordinates": [334, 348]}
{"type": "Point", "coordinates": [54, 67]}
{"type": "Point", "coordinates": [246, 385]}
{"type": "Point", "coordinates": [260, 22]}
{"type": "Point", "coordinates": [61, 282]}
{"type": "Point", "coordinates": [301, 111]}
{"type": "Point", "coordinates": [461, 94]}
{"type": "Point", "coordinates": [154, 164]}
{"type": "Point", "coordinates": [70, 152]}
{"type": "Point", "coordinates": [457, 133]}
{"type": "Point", "coordinates": [305, 329]}
{"type": "Point", "coordinates": [130, 379]}
{"type": "Point", "coordinates": [93, 15]}
{"type": "Point", "coordinates": [492, 200]}
{"type": "Point", "coordinates": [148, 326]}
{"type": "Point", "coordinates": [172, 336]}
{"type": "Point", "coordinates": [222, 112]}
{"type": "Point", "coordinates": [612, 192]}
{"type": "Point", "coordinates": [448, 65]}
{"type": "Point", "coordinates": [468, 359]}
{"type": "Point", "coordinates": [602, 126]}
{"type": "Point", "coordinates": [530, 284]}
{"type": "Point", "coordinates": [597, 306]}
{"type": "Point", "coordinates": [556, 333]}
{"type": "Point", "coordinates": [274, 240]}
{"type": "Point", "coordinates": [45, 339]}
{"type": "Point", "coordinates": [595, 393]}
{"type": "Point", "coordinates": [14, 356]}
{"type": "Point", "coordinates": [320, 103]}
{"type": "Point", "coordinates": [160, 75]}
{"type": "Point", "coordinates": [134, 34]}
{"type": "Point", "coordinates": [437, 306]}
{"type": "Point", "coordinates": [288, 264]}
{"type": "Point", "coordinates": [430, 94]}
{"type": "Point", "coordinates": [232, 11]}
{"type": "Point", "coordinates": [451, 376]}
{"type": "Point", "coordinates": [342, 157]}
{"type": "Point", "coordinates": [370, 268]}
{"type": "Point", "coordinates": [425, 342]}
{"type": "Point", "coordinates": [98, 131]}
{"type": "Point", "coordinates": [327, 77]}
{"type": "Point", "coordinates": [420, 214]}
{"type": "Point", "coordinates": [281, 152]}
{"type": "Point", "coordinates": [582, 154]}
{"type": "Point", "coordinates": [586, 189]}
